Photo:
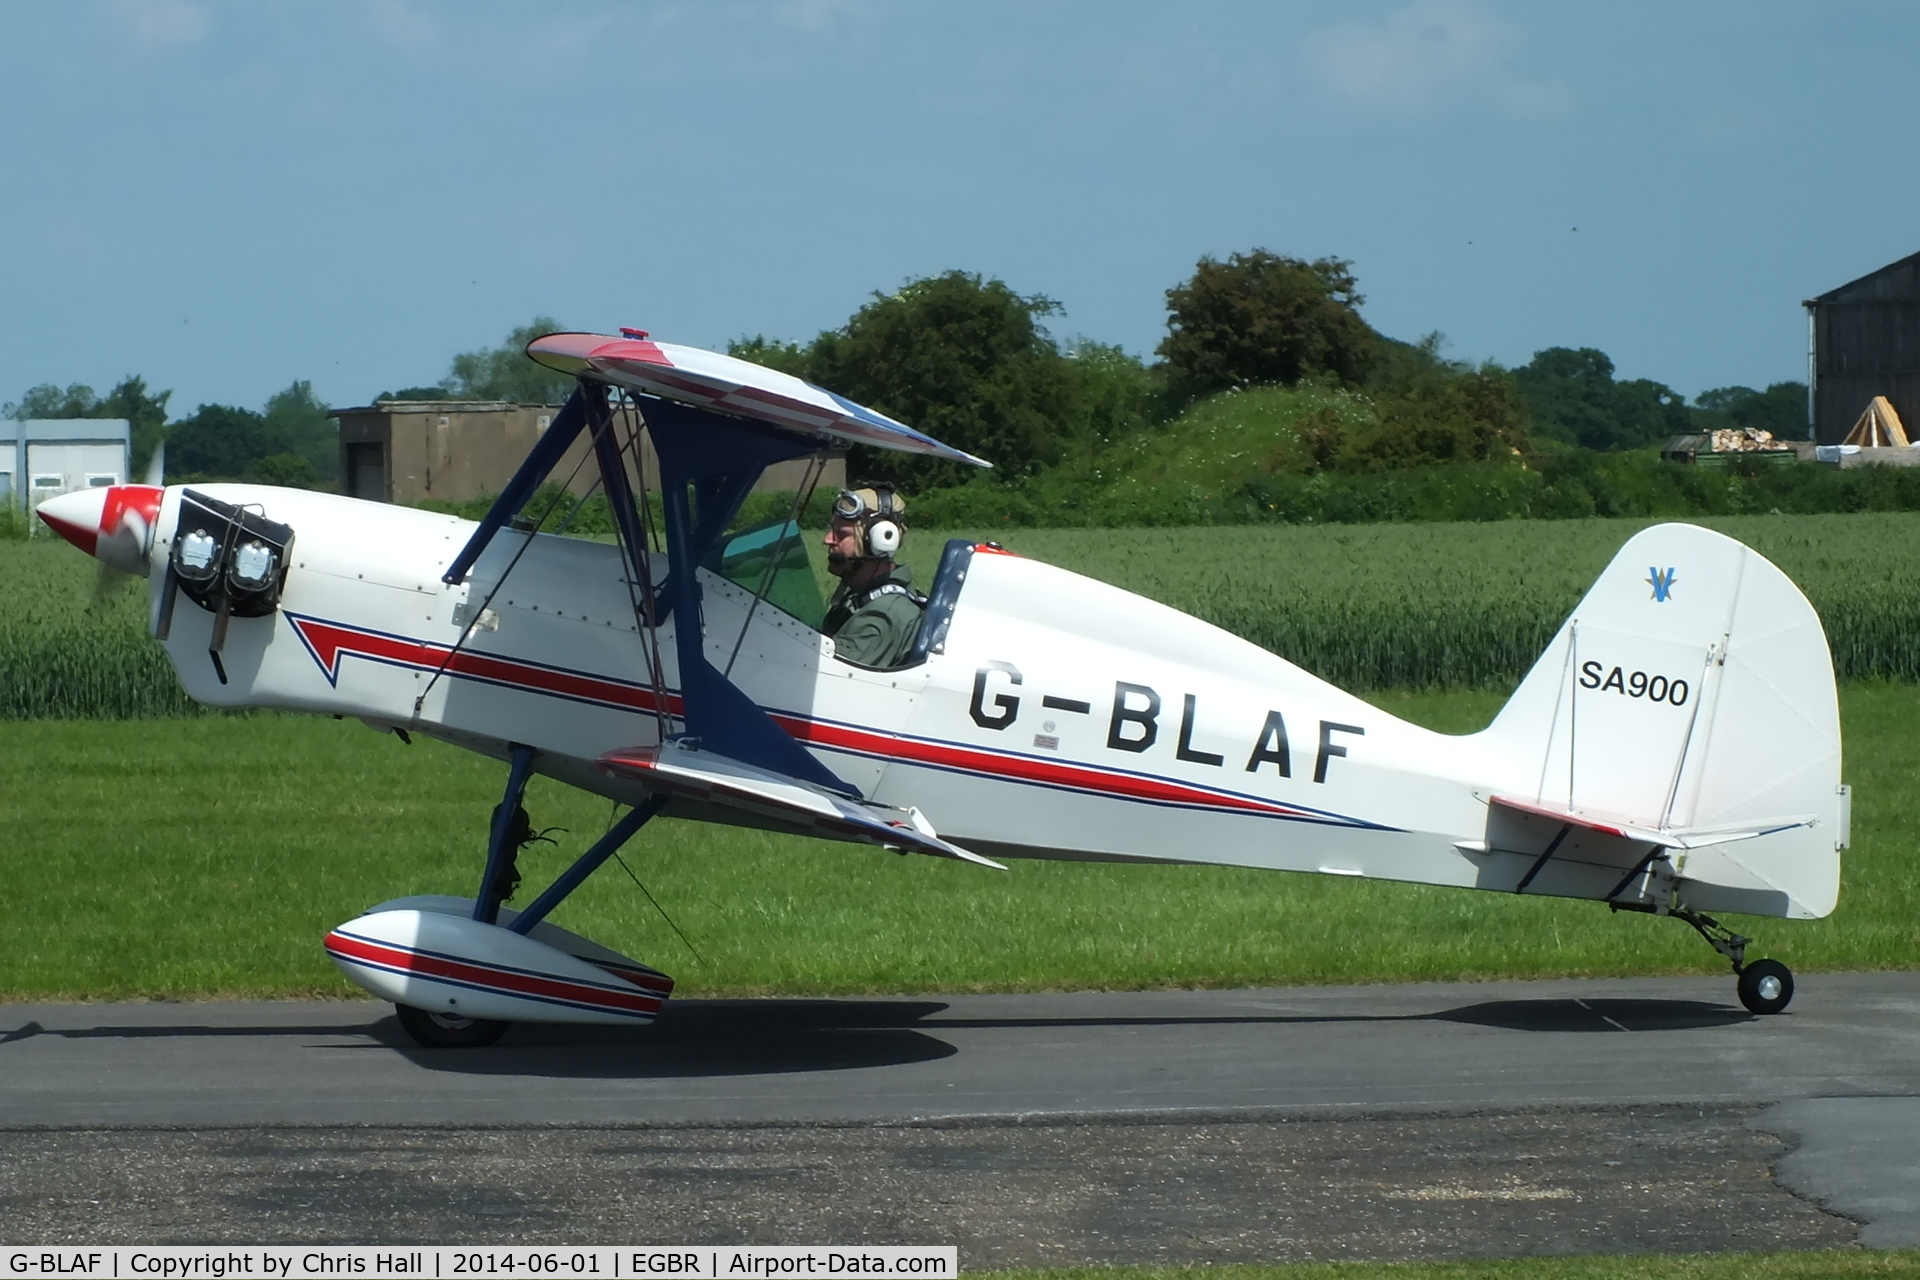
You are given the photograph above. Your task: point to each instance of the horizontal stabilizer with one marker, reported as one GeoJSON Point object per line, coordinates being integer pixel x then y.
{"type": "Point", "coordinates": [1666, 839]}
{"type": "Point", "coordinates": [687, 773]}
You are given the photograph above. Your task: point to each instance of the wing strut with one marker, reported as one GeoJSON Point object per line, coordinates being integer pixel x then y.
{"type": "Point", "coordinates": [709, 463]}
{"type": "Point", "coordinates": [1566, 829]}
{"type": "Point", "coordinates": [718, 459]}
{"type": "Point", "coordinates": [539, 464]}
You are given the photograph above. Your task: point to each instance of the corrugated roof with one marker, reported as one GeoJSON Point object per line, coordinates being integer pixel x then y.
{"type": "Point", "coordinates": [1909, 265]}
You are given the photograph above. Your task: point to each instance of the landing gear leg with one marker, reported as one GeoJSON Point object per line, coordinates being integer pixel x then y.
{"type": "Point", "coordinates": [510, 829]}
{"type": "Point", "coordinates": [503, 872]}
{"type": "Point", "coordinates": [1766, 986]}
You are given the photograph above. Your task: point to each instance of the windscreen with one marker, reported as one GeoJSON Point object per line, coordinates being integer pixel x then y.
{"type": "Point", "coordinates": [775, 559]}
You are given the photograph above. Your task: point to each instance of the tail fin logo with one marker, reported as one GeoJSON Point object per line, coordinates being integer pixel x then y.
{"type": "Point", "coordinates": [1661, 580]}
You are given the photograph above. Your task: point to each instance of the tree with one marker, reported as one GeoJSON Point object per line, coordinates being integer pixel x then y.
{"type": "Point", "coordinates": [218, 442]}
{"type": "Point", "coordinates": [963, 359]}
{"type": "Point", "coordinates": [296, 424]}
{"type": "Point", "coordinates": [292, 442]}
{"type": "Point", "coordinates": [1431, 411]}
{"type": "Point", "coordinates": [147, 411]}
{"type": "Point", "coordinates": [287, 470]}
{"type": "Point", "coordinates": [1571, 397]}
{"type": "Point", "coordinates": [1262, 318]}
{"type": "Point", "coordinates": [48, 401]}
{"type": "Point", "coordinates": [1114, 394]}
{"type": "Point", "coordinates": [129, 399]}
{"type": "Point", "coordinates": [506, 373]}
{"type": "Point", "coordinates": [787, 357]}
{"type": "Point", "coordinates": [1425, 411]}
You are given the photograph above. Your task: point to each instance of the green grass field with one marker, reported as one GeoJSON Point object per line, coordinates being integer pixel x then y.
{"type": "Point", "coordinates": [192, 858]}
{"type": "Point", "coordinates": [73, 645]}
{"type": "Point", "coordinates": [1469, 605]}
{"type": "Point", "coordinates": [1366, 606]}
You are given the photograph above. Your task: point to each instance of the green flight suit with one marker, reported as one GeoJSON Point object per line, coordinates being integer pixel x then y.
{"type": "Point", "coordinates": [876, 626]}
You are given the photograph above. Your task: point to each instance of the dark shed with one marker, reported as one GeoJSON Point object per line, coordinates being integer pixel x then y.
{"type": "Point", "coordinates": [1866, 343]}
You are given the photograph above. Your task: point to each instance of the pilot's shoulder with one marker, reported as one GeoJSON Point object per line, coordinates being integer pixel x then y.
{"type": "Point", "coordinates": [895, 598]}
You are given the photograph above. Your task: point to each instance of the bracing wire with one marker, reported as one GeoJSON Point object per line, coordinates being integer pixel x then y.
{"type": "Point", "coordinates": [566, 521]}
{"type": "Point", "coordinates": [685, 941]}
{"type": "Point", "coordinates": [801, 498]}
{"type": "Point", "coordinates": [473, 622]}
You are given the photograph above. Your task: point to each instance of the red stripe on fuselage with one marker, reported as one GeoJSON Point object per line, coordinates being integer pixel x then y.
{"type": "Point", "coordinates": [328, 641]}
{"type": "Point", "coordinates": [1023, 768]}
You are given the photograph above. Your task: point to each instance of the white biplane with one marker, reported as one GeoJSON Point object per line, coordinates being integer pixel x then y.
{"type": "Point", "coordinates": [1676, 750]}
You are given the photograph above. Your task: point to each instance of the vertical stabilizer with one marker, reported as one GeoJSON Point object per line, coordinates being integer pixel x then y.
{"type": "Point", "coordinates": [1691, 692]}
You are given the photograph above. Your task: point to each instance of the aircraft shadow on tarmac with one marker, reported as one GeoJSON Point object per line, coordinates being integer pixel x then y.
{"type": "Point", "coordinates": [693, 1038]}
{"type": "Point", "coordinates": [761, 1037]}
{"type": "Point", "coordinates": [705, 1038]}
{"type": "Point", "coordinates": [1597, 1015]}
{"type": "Point", "coordinates": [776, 1036]}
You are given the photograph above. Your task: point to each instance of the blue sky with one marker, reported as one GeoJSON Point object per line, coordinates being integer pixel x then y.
{"type": "Point", "coordinates": [224, 197]}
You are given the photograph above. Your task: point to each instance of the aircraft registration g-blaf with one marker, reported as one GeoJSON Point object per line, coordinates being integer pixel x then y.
{"type": "Point", "coordinates": [1676, 749]}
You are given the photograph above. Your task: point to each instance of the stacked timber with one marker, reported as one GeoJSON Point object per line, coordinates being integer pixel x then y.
{"type": "Point", "coordinates": [1879, 427]}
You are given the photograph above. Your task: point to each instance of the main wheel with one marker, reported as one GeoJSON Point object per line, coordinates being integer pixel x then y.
{"type": "Point", "coordinates": [448, 1030]}
{"type": "Point", "coordinates": [1766, 986]}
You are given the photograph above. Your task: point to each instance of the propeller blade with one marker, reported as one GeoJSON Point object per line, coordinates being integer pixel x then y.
{"type": "Point", "coordinates": [109, 582]}
{"type": "Point", "coordinates": [157, 467]}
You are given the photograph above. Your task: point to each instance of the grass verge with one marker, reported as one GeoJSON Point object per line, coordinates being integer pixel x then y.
{"type": "Point", "coordinates": [194, 858]}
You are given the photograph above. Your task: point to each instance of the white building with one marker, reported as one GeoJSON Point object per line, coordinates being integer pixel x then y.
{"type": "Point", "coordinates": [42, 457]}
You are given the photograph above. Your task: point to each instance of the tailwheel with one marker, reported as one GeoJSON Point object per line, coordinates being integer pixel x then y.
{"type": "Point", "coordinates": [448, 1030]}
{"type": "Point", "coordinates": [1766, 986]}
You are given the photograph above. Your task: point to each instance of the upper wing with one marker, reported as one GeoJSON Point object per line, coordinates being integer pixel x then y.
{"type": "Point", "coordinates": [713, 381]}
{"type": "Point", "coordinates": [690, 774]}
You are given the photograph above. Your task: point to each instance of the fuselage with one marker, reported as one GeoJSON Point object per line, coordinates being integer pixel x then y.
{"type": "Point", "coordinates": [1061, 717]}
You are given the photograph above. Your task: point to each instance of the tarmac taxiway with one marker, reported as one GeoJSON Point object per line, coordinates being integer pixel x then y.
{"type": "Point", "coordinates": [1388, 1121]}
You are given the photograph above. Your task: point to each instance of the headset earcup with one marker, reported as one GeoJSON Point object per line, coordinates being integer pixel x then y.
{"type": "Point", "coordinates": [883, 538]}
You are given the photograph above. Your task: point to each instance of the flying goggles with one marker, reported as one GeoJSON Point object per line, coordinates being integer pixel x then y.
{"type": "Point", "coordinates": [880, 514]}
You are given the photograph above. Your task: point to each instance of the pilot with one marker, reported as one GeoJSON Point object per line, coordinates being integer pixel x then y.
{"type": "Point", "coordinates": [875, 615]}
